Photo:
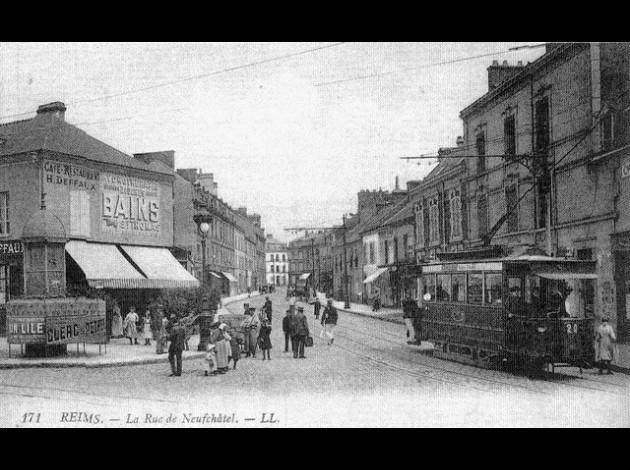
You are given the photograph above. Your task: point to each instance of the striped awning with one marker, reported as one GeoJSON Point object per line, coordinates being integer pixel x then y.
{"type": "Point", "coordinates": [375, 275]}
{"type": "Point", "coordinates": [230, 277]}
{"type": "Point", "coordinates": [305, 276]}
{"type": "Point", "coordinates": [161, 269]}
{"type": "Point", "coordinates": [104, 266]}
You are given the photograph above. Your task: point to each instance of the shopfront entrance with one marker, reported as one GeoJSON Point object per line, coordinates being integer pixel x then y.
{"type": "Point", "coordinates": [621, 256]}
{"type": "Point", "coordinates": [11, 276]}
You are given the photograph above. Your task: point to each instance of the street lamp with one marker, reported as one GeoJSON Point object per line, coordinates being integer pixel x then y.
{"type": "Point", "coordinates": [206, 316]}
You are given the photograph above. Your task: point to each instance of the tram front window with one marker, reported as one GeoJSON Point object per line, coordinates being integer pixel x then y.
{"type": "Point", "coordinates": [475, 289]}
{"type": "Point", "coordinates": [443, 291]}
{"type": "Point", "coordinates": [429, 286]}
{"type": "Point", "coordinates": [494, 290]}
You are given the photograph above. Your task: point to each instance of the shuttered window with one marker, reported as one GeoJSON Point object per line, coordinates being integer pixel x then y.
{"type": "Point", "coordinates": [5, 227]}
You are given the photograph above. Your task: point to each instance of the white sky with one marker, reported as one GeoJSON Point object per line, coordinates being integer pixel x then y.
{"type": "Point", "coordinates": [293, 151]}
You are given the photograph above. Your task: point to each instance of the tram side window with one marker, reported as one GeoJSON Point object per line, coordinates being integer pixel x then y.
{"type": "Point", "coordinates": [429, 286]}
{"type": "Point", "coordinates": [475, 289]}
{"type": "Point", "coordinates": [494, 291]}
{"type": "Point", "coordinates": [443, 290]}
{"type": "Point", "coordinates": [458, 286]}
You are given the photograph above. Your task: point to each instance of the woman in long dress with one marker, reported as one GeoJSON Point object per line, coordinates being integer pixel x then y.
{"type": "Point", "coordinates": [117, 323]}
{"type": "Point", "coordinates": [131, 327]}
{"type": "Point", "coordinates": [605, 346]}
{"type": "Point", "coordinates": [147, 331]}
{"type": "Point", "coordinates": [221, 341]}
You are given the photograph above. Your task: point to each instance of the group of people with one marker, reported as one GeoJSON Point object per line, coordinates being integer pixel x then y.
{"type": "Point", "coordinates": [149, 327]}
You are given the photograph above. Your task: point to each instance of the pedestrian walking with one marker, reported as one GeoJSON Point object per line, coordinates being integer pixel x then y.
{"type": "Point", "coordinates": [377, 303]}
{"type": "Point", "coordinates": [235, 349]}
{"type": "Point", "coordinates": [211, 360]}
{"type": "Point", "coordinates": [176, 348]}
{"type": "Point", "coordinates": [268, 309]}
{"type": "Point", "coordinates": [286, 329]}
{"type": "Point", "coordinates": [130, 326]}
{"type": "Point", "coordinates": [147, 330]}
{"type": "Point", "coordinates": [299, 333]}
{"type": "Point", "coordinates": [292, 302]}
{"type": "Point", "coordinates": [605, 346]}
{"type": "Point", "coordinates": [329, 322]}
{"type": "Point", "coordinates": [251, 328]}
{"type": "Point", "coordinates": [318, 307]}
{"type": "Point", "coordinates": [117, 322]}
{"type": "Point", "coordinates": [264, 339]}
{"type": "Point", "coordinates": [409, 311]}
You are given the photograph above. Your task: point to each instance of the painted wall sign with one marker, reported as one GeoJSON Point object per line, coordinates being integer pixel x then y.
{"type": "Point", "coordinates": [25, 330]}
{"type": "Point", "coordinates": [130, 206]}
{"type": "Point", "coordinates": [67, 330]}
{"type": "Point", "coordinates": [11, 249]}
{"type": "Point", "coordinates": [72, 176]}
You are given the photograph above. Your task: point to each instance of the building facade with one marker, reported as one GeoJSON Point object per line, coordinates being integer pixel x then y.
{"type": "Point", "coordinates": [277, 262]}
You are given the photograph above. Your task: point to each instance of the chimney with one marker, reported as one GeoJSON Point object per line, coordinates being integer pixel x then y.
{"type": "Point", "coordinates": [167, 158]}
{"type": "Point", "coordinates": [207, 182]}
{"type": "Point", "coordinates": [498, 74]}
{"type": "Point", "coordinates": [56, 109]}
{"type": "Point", "coordinates": [460, 141]}
{"type": "Point", "coordinates": [189, 174]}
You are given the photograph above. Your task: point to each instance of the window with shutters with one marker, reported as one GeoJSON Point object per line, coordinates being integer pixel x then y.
{"type": "Point", "coordinates": [434, 222]}
{"type": "Point", "coordinates": [419, 225]}
{"type": "Point", "coordinates": [480, 143]}
{"type": "Point", "coordinates": [509, 135]}
{"type": "Point", "coordinates": [511, 199]}
{"type": "Point", "coordinates": [5, 227]}
{"type": "Point", "coordinates": [456, 215]}
{"type": "Point", "coordinates": [79, 214]}
{"type": "Point", "coordinates": [482, 215]}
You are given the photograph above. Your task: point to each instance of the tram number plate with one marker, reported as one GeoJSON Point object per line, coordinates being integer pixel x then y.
{"type": "Point", "coordinates": [572, 328]}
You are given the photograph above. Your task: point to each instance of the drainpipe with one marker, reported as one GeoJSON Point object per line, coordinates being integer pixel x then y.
{"type": "Point", "coordinates": [596, 94]}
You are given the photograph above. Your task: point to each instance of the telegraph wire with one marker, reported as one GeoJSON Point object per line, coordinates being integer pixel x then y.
{"type": "Point", "coordinates": [420, 67]}
{"type": "Point", "coordinates": [196, 77]}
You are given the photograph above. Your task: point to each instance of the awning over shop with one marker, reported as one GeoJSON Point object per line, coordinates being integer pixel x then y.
{"type": "Point", "coordinates": [161, 268]}
{"type": "Point", "coordinates": [104, 266]}
{"type": "Point", "coordinates": [375, 275]}
{"type": "Point", "coordinates": [215, 275]}
{"type": "Point", "coordinates": [230, 277]}
{"type": "Point", "coordinates": [305, 276]}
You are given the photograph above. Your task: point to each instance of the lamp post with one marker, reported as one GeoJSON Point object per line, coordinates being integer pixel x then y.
{"type": "Point", "coordinates": [206, 316]}
{"type": "Point", "coordinates": [345, 264]}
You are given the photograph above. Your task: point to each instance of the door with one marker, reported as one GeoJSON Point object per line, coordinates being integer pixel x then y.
{"type": "Point", "coordinates": [622, 284]}
{"type": "Point", "coordinates": [4, 297]}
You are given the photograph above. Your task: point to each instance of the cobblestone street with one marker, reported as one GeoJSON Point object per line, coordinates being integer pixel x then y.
{"type": "Point", "coordinates": [368, 375]}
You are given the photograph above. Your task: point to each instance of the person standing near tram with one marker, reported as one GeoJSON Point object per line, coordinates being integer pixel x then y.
{"type": "Point", "coordinates": [410, 307]}
{"type": "Point", "coordinates": [605, 346]}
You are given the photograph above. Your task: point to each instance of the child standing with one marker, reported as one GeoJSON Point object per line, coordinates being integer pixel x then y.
{"type": "Point", "coordinates": [211, 360]}
{"type": "Point", "coordinates": [264, 339]}
{"type": "Point", "coordinates": [147, 331]}
{"type": "Point", "coordinates": [235, 349]}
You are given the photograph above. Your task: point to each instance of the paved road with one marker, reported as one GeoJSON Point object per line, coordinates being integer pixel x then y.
{"type": "Point", "coordinates": [369, 377]}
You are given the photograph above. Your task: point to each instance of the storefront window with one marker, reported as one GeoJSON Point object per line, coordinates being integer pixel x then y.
{"type": "Point", "coordinates": [3, 285]}
{"type": "Point", "coordinates": [443, 290]}
{"type": "Point", "coordinates": [429, 286]}
{"type": "Point", "coordinates": [493, 289]}
{"type": "Point", "coordinates": [458, 286]}
{"type": "Point", "coordinates": [475, 289]}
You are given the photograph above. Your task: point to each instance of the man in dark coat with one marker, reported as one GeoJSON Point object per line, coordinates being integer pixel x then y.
{"type": "Point", "coordinates": [286, 329]}
{"type": "Point", "coordinates": [177, 338]}
{"type": "Point", "coordinates": [318, 307]}
{"type": "Point", "coordinates": [409, 311]}
{"type": "Point", "coordinates": [329, 322]}
{"type": "Point", "coordinates": [299, 333]}
{"type": "Point", "coordinates": [268, 309]}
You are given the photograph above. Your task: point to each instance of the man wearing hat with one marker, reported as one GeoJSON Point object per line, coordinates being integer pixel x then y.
{"type": "Point", "coordinates": [286, 329]}
{"type": "Point", "coordinates": [177, 337]}
{"type": "Point", "coordinates": [299, 333]}
{"type": "Point", "coordinates": [329, 322]}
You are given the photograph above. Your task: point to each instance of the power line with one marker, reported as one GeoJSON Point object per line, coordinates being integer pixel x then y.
{"type": "Point", "coordinates": [196, 77]}
{"type": "Point", "coordinates": [437, 64]}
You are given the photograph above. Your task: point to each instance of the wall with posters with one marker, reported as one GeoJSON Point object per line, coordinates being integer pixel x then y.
{"type": "Point", "coordinates": [122, 206]}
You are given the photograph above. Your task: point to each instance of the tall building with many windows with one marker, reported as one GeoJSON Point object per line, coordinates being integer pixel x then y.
{"type": "Point", "coordinates": [277, 262]}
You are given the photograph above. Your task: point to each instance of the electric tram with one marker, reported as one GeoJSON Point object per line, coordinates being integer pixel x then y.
{"type": "Point", "coordinates": [524, 312]}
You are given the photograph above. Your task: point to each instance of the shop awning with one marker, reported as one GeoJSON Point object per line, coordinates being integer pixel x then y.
{"type": "Point", "coordinates": [305, 276]}
{"type": "Point", "coordinates": [218, 276]}
{"type": "Point", "coordinates": [104, 266]}
{"type": "Point", "coordinates": [230, 277]}
{"type": "Point", "coordinates": [161, 268]}
{"type": "Point", "coordinates": [375, 275]}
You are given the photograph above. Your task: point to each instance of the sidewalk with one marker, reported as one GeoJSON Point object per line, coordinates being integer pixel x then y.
{"type": "Point", "coordinates": [118, 352]}
{"type": "Point", "coordinates": [391, 315]}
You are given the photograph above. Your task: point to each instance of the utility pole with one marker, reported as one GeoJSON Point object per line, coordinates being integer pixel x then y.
{"type": "Point", "coordinates": [345, 263]}
{"type": "Point", "coordinates": [313, 264]}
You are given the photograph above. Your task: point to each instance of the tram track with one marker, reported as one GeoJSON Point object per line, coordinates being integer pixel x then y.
{"type": "Point", "coordinates": [429, 371]}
